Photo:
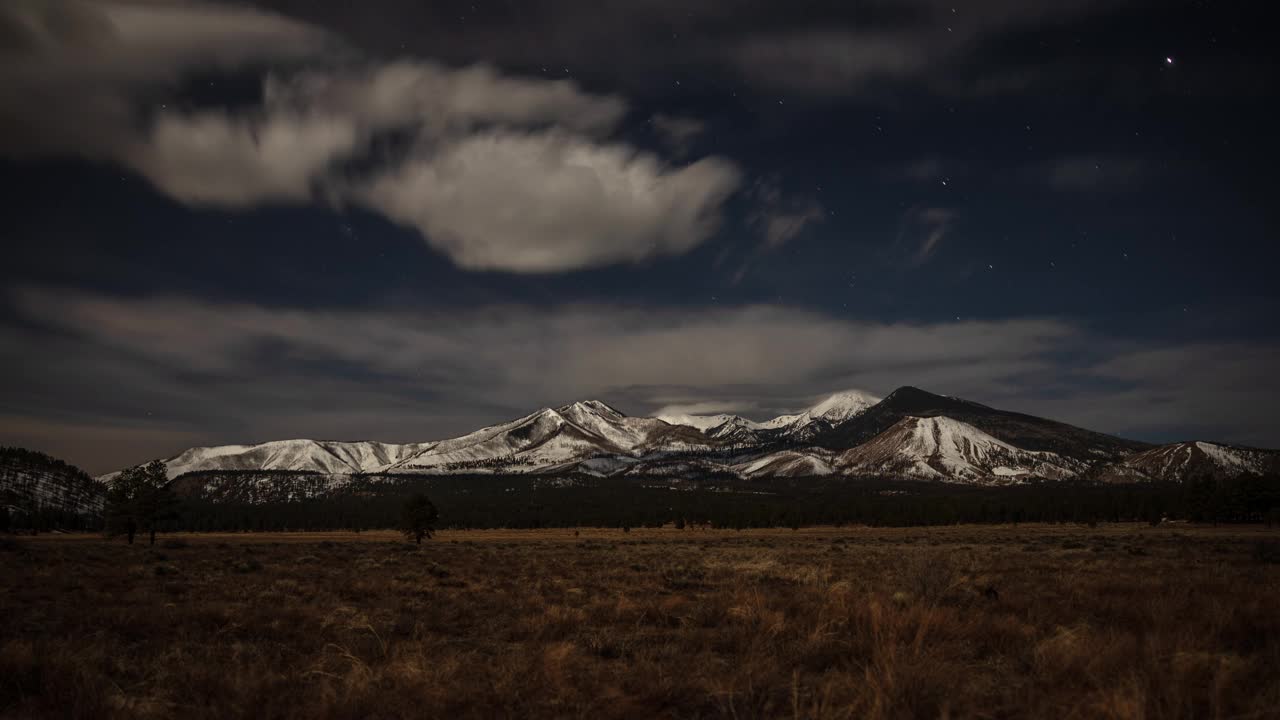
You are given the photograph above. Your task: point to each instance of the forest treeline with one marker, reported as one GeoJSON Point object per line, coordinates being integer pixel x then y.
{"type": "Point", "coordinates": [488, 501]}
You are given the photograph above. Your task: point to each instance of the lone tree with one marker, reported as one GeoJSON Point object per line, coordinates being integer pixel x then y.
{"type": "Point", "coordinates": [418, 518]}
{"type": "Point", "coordinates": [140, 500]}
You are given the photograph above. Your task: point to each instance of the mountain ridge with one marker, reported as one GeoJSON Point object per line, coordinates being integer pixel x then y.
{"type": "Point", "coordinates": [909, 434]}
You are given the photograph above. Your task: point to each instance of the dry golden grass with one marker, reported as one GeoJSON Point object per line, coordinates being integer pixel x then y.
{"type": "Point", "coordinates": [1043, 622]}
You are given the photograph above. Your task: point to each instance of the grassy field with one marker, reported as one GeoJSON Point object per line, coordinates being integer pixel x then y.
{"type": "Point", "coordinates": [989, 622]}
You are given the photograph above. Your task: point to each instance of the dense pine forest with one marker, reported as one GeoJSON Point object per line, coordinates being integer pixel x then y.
{"type": "Point", "coordinates": [486, 501]}
{"type": "Point", "coordinates": [489, 501]}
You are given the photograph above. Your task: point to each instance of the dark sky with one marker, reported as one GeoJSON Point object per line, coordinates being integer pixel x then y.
{"type": "Point", "coordinates": [403, 220]}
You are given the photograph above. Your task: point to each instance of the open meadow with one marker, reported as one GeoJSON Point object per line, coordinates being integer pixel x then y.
{"type": "Point", "coordinates": [1119, 621]}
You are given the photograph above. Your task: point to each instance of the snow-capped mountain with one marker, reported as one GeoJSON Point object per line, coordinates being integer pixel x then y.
{"type": "Point", "coordinates": [315, 456]}
{"type": "Point", "coordinates": [1017, 429]}
{"type": "Point", "coordinates": [828, 413]}
{"type": "Point", "coordinates": [541, 439]}
{"type": "Point", "coordinates": [940, 448]}
{"type": "Point", "coordinates": [1185, 461]}
{"type": "Point", "coordinates": [909, 435]}
{"type": "Point", "coordinates": [841, 406]}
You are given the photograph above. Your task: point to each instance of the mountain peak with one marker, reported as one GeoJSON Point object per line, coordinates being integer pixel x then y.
{"type": "Point", "coordinates": [595, 407]}
{"type": "Point", "coordinates": [843, 405]}
{"type": "Point", "coordinates": [910, 399]}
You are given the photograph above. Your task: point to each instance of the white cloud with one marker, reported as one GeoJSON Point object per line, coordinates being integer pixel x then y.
{"type": "Point", "coordinates": [441, 101]}
{"type": "Point", "coordinates": [543, 202]}
{"type": "Point", "coordinates": [76, 73]}
{"type": "Point", "coordinates": [216, 159]}
{"type": "Point", "coordinates": [712, 407]}
{"type": "Point", "coordinates": [505, 173]}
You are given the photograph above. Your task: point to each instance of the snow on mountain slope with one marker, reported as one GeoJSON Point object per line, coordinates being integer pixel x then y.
{"type": "Point", "coordinates": [1184, 461]}
{"type": "Point", "coordinates": [544, 438]}
{"type": "Point", "coordinates": [781, 422]}
{"type": "Point", "coordinates": [788, 463]}
{"type": "Point", "coordinates": [842, 406]}
{"type": "Point", "coordinates": [701, 422]}
{"type": "Point", "coordinates": [940, 448]}
{"type": "Point", "coordinates": [327, 457]}
{"type": "Point", "coordinates": [910, 434]}
{"type": "Point", "coordinates": [832, 411]}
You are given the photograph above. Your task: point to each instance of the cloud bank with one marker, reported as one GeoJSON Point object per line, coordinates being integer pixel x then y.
{"type": "Point", "coordinates": [498, 172]}
{"type": "Point", "coordinates": [158, 374]}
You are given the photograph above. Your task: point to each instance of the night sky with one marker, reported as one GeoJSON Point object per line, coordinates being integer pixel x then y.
{"type": "Point", "coordinates": [404, 220]}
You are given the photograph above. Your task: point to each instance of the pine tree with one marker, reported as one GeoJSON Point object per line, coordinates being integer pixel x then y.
{"type": "Point", "coordinates": [140, 499]}
{"type": "Point", "coordinates": [418, 518]}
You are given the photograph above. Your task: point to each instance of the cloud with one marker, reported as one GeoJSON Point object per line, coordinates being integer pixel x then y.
{"type": "Point", "coordinates": [1223, 390]}
{"type": "Point", "coordinates": [832, 61]}
{"type": "Point", "coordinates": [937, 45]}
{"type": "Point", "coordinates": [216, 159]}
{"type": "Point", "coordinates": [160, 373]}
{"type": "Point", "coordinates": [75, 74]}
{"type": "Point", "coordinates": [441, 100]}
{"type": "Point", "coordinates": [499, 172]}
{"type": "Point", "coordinates": [546, 202]}
{"type": "Point", "coordinates": [677, 132]}
{"type": "Point", "coordinates": [781, 218]}
{"type": "Point", "coordinates": [242, 372]}
{"type": "Point", "coordinates": [924, 229]}
{"type": "Point", "coordinates": [927, 169]}
{"type": "Point", "coordinates": [703, 408]}
{"type": "Point", "coordinates": [1097, 173]}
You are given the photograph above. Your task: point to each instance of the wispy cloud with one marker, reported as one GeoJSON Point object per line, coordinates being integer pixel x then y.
{"type": "Point", "coordinates": [1095, 173]}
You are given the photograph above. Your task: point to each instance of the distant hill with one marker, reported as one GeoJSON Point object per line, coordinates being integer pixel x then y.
{"type": "Point", "coordinates": [35, 484]}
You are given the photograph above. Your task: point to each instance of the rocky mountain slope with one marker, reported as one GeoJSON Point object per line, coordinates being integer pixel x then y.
{"type": "Point", "coordinates": [1023, 431]}
{"type": "Point", "coordinates": [942, 448]}
{"type": "Point", "coordinates": [1191, 461]}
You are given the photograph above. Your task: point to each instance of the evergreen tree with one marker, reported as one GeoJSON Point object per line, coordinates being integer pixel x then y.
{"type": "Point", "coordinates": [140, 500]}
{"type": "Point", "coordinates": [418, 518]}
